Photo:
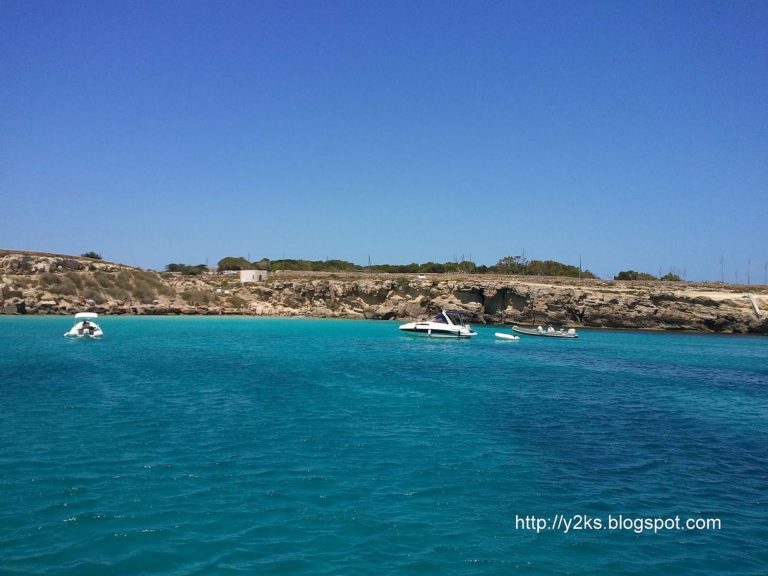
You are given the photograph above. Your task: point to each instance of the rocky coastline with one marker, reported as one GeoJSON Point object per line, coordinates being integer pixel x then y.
{"type": "Point", "coordinates": [39, 283]}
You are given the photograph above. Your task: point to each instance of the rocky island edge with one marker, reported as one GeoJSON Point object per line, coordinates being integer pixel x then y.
{"type": "Point", "coordinates": [42, 283]}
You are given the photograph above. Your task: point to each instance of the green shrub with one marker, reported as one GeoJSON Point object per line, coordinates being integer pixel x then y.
{"type": "Point", "coordinates": [117, 293]}
{"type": "Point", "coordinates": [154, 280]}
{"type": "Point", "coordinates": [90, 283]}
{"type": "Point", "coordinates": [7, 292]}
{"type": "Point", "coordinates": [123, 280]}
{"type": "Point", "coordinates": [632, 275]}
{"type": "Point", "coordinates": [237, 302]}
{"type": "Point", "coordinates": [64, 287]}
{"type": "Point", "coordinates": [196, 297]}
{"type": "Point", "coordinates": [186, 269]}
{"type": "Point", "coordinates": [49, 278]}
{"type": "Point", "coordinates": [143, 292]}
{"type": "Point", "coordinates": [92, 255]}
{"type": "Point", "coordinates": [150, 278]}
{"type": "Point", "coordinates": [75, 278]}
{"type": "Point", "coordinates": [104, 280]}
{"type": "Point", "coordinates": [95, 295]}
{"type": "Point", "coordinates": [234, 263]}
{"type": "Point", "coordinates": [57, 284]}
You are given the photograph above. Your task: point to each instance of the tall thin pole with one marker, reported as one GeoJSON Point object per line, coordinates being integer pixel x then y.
{"type": "Point", "coordinates": [722, 270]}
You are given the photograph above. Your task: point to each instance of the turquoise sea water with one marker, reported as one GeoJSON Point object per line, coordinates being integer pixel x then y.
{"type": "Point", "coordinates": [288, 446]}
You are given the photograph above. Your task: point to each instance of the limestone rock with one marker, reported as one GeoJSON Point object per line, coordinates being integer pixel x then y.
{"type": "Point", "coordinates": [56, 284]}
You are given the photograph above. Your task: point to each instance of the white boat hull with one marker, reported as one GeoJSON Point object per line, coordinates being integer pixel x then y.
{"type": "Point", "coordinates": [80, 330]}
{"type": "Point", "coordinates": [549, 333]}
{"type": "Point", "coordinates": [447, 324]}
{"type": "Point", "coordinates": [436, 330]}
{"type": "Point", "coordinates": [84, 334]}
{"type": "Point", "coordinates": [503, 336]}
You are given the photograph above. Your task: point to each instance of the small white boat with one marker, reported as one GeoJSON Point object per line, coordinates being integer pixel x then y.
{"type": "Point", "coordinates": [447, 324]}
{"type": "Point", "coordinates": [84, 326]}
{"type": "Point", "coordinates": [504, 336]}
{"type": "Point", "coordinates": [548, 333]}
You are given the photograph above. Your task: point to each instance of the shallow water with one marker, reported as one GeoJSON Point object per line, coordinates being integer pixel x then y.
{"type": "Point", "coordinates": [291, 446]}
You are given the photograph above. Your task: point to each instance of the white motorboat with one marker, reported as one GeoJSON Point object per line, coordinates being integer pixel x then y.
{"type": "Point", "coordinates": [503, 336]}
{"type": "Point", "coordinates": [85, 327]}
{"type": "Point", "coordinates": [447, 324]}
{"type": "Point", "coordinates": [548, 333]}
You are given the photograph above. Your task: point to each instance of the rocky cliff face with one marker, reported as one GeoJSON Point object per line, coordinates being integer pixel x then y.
{"type": "Point", "coordinates": [52, 284]}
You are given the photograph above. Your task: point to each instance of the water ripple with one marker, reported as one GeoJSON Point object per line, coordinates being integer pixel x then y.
{"type": "Point", "coordinates": [208, 446]}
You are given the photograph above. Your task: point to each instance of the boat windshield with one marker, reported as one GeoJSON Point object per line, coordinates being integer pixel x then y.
{"type": "Point", "coordinates": [456, 318]}
{"type": "Point", "coordinates": [439, 318]}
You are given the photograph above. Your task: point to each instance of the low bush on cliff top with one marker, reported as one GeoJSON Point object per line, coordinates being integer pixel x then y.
{"type": "Point", "coordinates": [187, 269]}
{"type": "Point", "coordinates": [234, 263]}
{"type": "Point", "coordinates": [517, 265]}
{"type": "Point", "coordinates": [632, 275]}
{"type": "Point", "coordinates": [671, 277]}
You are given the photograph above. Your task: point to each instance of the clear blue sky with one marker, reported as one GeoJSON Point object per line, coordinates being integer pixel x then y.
{"type": "Point", "coordinates": [634, 134]}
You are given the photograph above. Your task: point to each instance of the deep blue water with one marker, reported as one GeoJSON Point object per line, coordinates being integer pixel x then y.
{"type": "Point", "coordinates": [288, 446]}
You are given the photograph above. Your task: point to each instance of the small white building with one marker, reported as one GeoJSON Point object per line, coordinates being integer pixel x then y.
{"type": "Point", "coordinates": [253, 276]}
